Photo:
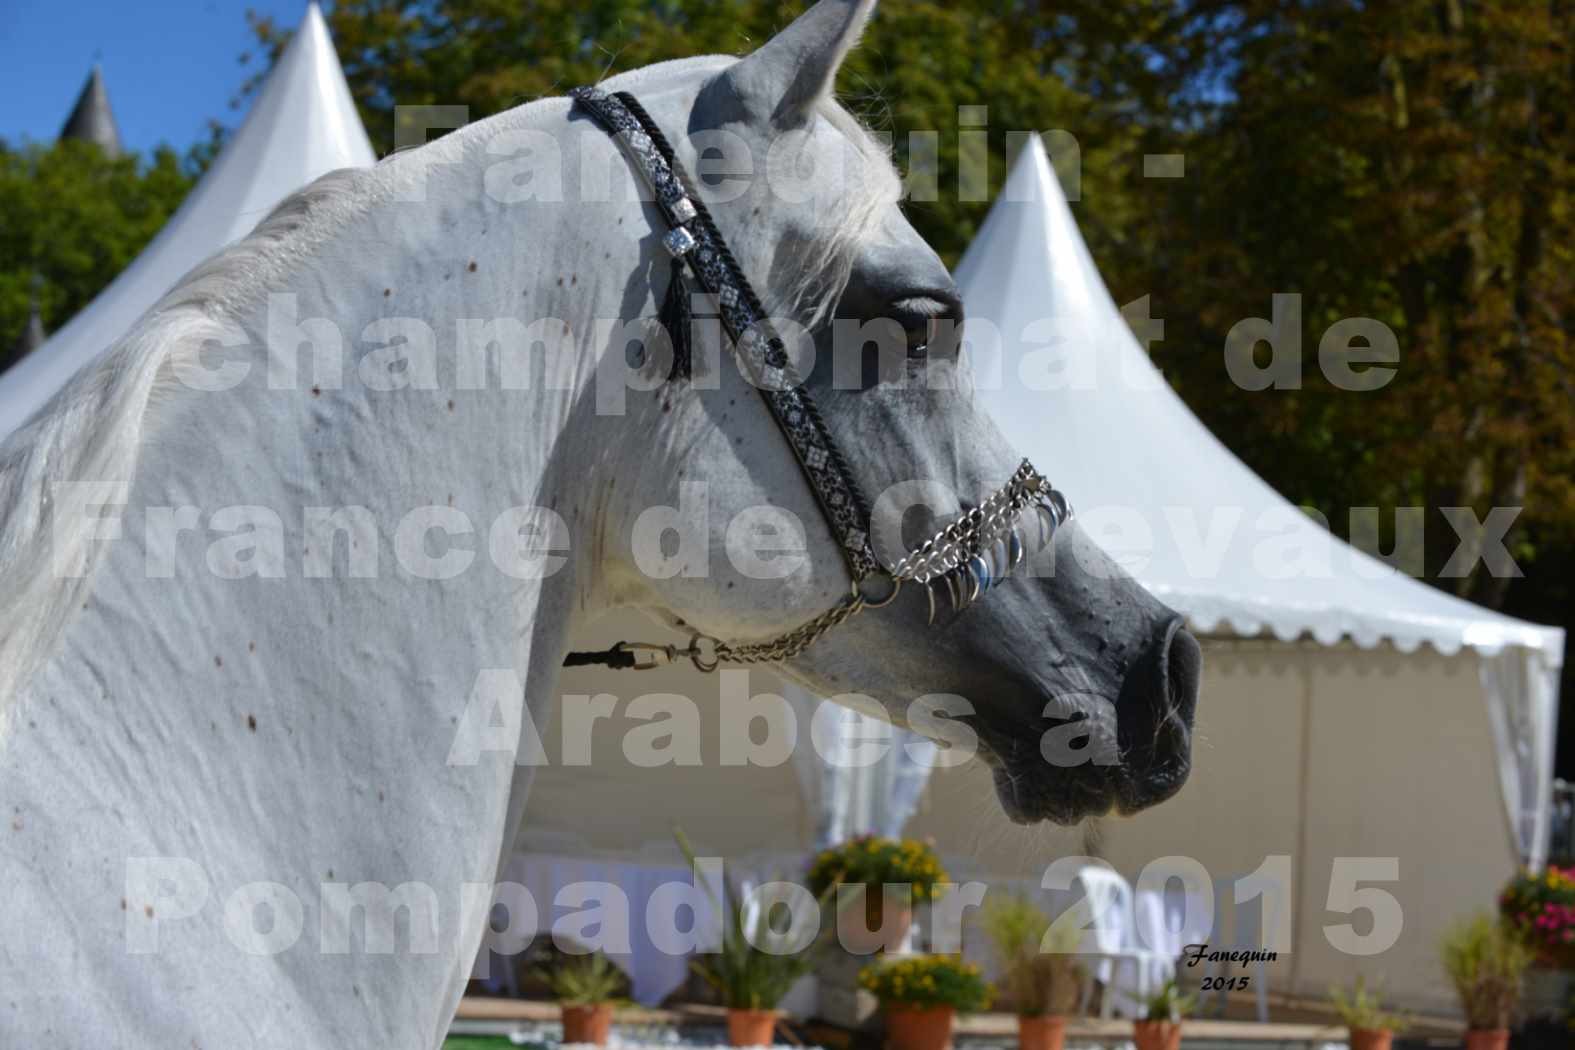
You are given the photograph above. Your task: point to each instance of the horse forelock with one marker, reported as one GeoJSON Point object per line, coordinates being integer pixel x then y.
{"type": "Point", "coordinates": [848, 227]}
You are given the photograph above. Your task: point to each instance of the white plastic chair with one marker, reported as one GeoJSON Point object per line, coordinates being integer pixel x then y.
{"type": "Point", "coordinates": [1107, 918]}
{"type": "Point", "coordinates": [1154, 932]}
{"type": "Point", "coordinates": [1247, 924]}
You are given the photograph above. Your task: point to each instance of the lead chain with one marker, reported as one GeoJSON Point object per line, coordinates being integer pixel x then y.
{"type": "Point", "coordinates": [774, 650]}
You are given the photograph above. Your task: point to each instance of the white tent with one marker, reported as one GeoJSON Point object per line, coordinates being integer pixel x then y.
{"type": "Point", "coordinates": [1348, 711]}
{"type": "Point", "coordinates": [302, 125]}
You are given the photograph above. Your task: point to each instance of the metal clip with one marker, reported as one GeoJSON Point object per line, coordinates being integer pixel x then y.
{"type": "Point", "coordinates": [661, 655]}
{"type": "Point", "coordinates": [698, 655]}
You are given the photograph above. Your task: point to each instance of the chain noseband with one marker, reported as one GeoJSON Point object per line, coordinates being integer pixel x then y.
{"type": "Point", "coordinates": [966, 558]}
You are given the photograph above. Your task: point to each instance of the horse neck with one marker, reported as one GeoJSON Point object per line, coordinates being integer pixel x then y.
{"type": "Point", "coordinates": [279, 727]}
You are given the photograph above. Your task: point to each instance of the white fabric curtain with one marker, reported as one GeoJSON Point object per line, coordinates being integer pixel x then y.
{"type": "Point", "coordinates": [1521, 687]}
{"type": "Point", "coordinates": [827, 785]}
{"type": "Point", "coordinates": [907, 771]}
{"type": "Point", "coordinates": [848, 793]}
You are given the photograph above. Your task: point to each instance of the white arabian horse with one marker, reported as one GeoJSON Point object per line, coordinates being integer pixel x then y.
{"type": "Point", "coordinates": [262, 564]}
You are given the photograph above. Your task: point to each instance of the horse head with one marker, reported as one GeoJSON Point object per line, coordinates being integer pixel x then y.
{"type": "Point", "coordinates": [1078, 687]}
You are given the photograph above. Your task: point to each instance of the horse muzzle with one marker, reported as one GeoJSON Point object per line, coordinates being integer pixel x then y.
{"type": "Point", "coordinates": [1098, 756]}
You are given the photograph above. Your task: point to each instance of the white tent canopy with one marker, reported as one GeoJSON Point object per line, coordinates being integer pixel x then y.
{"type": "Point", "coordinates": [302, 125]}
{"type": "Point", "coordinates": [1199, 529]}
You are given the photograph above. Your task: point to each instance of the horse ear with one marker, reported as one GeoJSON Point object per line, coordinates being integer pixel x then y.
{"type": "Point", "coordinates": [782, 80]}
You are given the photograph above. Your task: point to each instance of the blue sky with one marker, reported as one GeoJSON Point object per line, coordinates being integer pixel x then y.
{"type": "Point", "coordinates": [170, 65]}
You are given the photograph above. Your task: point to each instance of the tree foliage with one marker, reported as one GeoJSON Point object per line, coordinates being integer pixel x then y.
{"type": "Point", "coordinates": [1408, 162]}
{"type": "Point", "coordinates": [1098, 68]}
{"type": "Point", "coordinates": [75, 218]}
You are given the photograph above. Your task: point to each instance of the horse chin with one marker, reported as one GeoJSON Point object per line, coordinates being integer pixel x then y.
{"type": "Point", "coordinates": [1026, 799]}
{"type": "Point", "coordinates": [1159, 783]}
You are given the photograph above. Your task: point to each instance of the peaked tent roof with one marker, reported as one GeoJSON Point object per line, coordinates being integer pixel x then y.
{"type": "Point", "coordinates": [1112, 434]}
{"type": "Point", "coordinates": [302, 125]}
{"type": "Point", "coordinates": [1212, 539]}
{"type": "Point", "coordinates": [91, 119]}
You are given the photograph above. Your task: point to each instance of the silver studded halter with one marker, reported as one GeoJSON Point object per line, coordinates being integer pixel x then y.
{"type": "Point", "coordinates": [962, 561]}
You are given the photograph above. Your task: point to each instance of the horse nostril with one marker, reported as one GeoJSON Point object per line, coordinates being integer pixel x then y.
{"type": "Point", "coordinates": [1183, 672]}
{"type": "Point", "coordinates": [1155, 711]}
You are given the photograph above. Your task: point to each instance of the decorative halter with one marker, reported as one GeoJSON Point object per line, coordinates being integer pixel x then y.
{"type": "Point", "coordinates": [966, 558]}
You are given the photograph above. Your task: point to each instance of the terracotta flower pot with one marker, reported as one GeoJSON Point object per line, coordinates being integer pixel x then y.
{"type": "Point", "coordinates": [864, 931]}
{"type": "Point", "coordinates": [919, 1027]}
{"type": "Point", "coordinates": [1041, 1033]}
{"type": "Point", "coordinates": [1371, 1039]}
{"type": "Point", "coordinates": [587, 1024]}
{"type": "Point", "coordinates": [1158, 1035]}
{"type": "Point", "coordinates": [1487, 1039]}
{"type": "Point", "coordinates": [752, 1027]}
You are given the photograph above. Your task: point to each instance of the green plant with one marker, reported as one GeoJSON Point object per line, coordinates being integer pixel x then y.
{"type": "Point", "coordinates": [584, 980]}
{"type": "Point", "coordinates": [927, 980]}
{"type": "Point", "coordinates": [1168, 1004]}
{"type": "Point", "coordinates": [872, 861]}
{"type": "Point", "coordinates": [1040, 974]}
{"type": "Point", "coordinates": [1364, 1009]}
{"type": "Point", "coordinates": [1487, 960]}
{"type": "Point", "coordinates": [756, 964]}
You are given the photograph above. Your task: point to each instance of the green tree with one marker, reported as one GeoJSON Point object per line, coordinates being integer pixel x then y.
{"type": "Point", "coordinates": [1094, 69]}
{"type": "Point", "coordinates": [1408, 162]}
{"type": "Point", "coordinates": [75, 218]}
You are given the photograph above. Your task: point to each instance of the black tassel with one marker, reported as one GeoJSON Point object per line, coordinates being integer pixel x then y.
{"type": "Point", "coordinates": [675, 318]}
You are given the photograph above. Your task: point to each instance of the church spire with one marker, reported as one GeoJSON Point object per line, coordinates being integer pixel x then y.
{"type": "Point", "coordinates": [91, 119]}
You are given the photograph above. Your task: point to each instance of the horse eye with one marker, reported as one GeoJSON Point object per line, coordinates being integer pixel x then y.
{"type": "Point", "coordinates": [927, 321]}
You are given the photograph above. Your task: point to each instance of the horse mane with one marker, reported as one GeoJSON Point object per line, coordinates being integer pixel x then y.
{"type": "Point", "coordinates": [91, 431]}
